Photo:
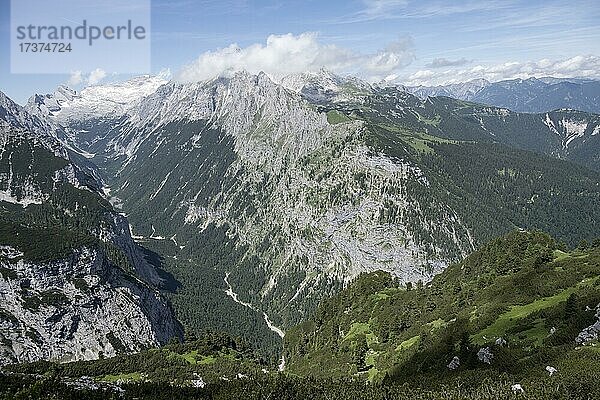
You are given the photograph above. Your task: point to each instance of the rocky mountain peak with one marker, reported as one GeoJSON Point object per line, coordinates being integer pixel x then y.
{"type": "Point", "coordinates": [325, 86]}
{"type": "Point", "coordinates": [66, 105]}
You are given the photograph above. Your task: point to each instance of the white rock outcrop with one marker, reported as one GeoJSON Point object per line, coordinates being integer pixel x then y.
{"type": "Point", "coordinates": [485, 355]}
{"type": "Point", "coordinates": [454, 363]}
{"type": "Point", "coordinates": [590, 333]}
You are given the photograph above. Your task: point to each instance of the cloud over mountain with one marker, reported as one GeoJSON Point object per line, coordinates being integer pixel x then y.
{"type": "Point", "coordinates": [587, 66]}
{"type": "Point", "coordinates": [94, 77]}
{"type": "Point", "coordinates": [282, 55]}
{"type": "Point", "coordinates": [444, 62]}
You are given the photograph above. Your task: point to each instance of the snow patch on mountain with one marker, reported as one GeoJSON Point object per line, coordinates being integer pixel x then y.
{"type": "Point", "coordinates": [66, 105]}
{"type": "Point", "coordinates": [572, 130]}
{"type": "Point", "coordinates": [550, 124]}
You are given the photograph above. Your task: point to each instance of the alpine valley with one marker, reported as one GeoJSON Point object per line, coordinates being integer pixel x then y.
{"type": "Point", "coordinates": [203, 236]}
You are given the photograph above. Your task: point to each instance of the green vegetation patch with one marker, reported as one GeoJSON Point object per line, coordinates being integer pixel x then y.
{"type": "Point", "coordinates": [435, 121]}
{"type": "Point", "coordinates": [509, 318]}
{"type": "Point", "coordinates": [421, 142]}
{"type": "Point", "coordinates": [408, 343]}
{"type": "Point", "coordinates": [360, 328]}
{"type": "Point", "coordinates": [437, 324]}
{"type": "Point", "coordinates": [207, 360]}
{"type": "Point", "coordinates": [335, 117]}
{"type": "Point", "coordinates": [509, 288]}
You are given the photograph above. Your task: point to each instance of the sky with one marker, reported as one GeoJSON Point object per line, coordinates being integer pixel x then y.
{"type": "Point", "coordinates": [407, 42]}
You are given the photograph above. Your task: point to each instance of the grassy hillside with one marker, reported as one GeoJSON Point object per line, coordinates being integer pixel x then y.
{"type": "Point", "coordinates": [523, 289]}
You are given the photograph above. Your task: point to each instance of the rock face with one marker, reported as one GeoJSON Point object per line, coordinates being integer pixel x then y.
{"type": "Point", "coordinates": [78, 308]}
{"type": "Point", "coordinates": [248, 155]}
{"type": "Point", "coordinates": [73, 283]}
{"type": "Point", "coordinates": [590, 333]}
{"type": "Point", "coordinates": [251, 157]}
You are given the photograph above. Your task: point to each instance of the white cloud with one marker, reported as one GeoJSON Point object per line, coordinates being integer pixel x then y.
{"type": "Point", "coordinates": [381, 8]}
{"type": "Point", "coordinates": [444, 62]}
{"type": "Point", "coordinates": [578, 66]}
{"type": "Point", "coordinates": [287, 54]}
{"type": "Point", "coordinates": [96, 76]}
{"type": "Point", "coordinates": [76, 78]}
{"type": "Point", "coordinates": [396, 55]}
{"type": "Point", "coordinates": [404, 9]}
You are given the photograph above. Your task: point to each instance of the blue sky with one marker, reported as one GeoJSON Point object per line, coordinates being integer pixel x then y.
{"type": "Point", "coordinates": [405, 41]}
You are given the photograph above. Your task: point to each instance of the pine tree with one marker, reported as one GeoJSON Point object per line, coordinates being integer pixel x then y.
{"type": "Point", "coordinates": [571, 307]}
{"type": "Point", "coordinates": [360, 351]}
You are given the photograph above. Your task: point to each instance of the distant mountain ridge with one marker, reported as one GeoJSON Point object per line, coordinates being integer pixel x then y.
{"type": "Point", "coordinates": [531, 95]}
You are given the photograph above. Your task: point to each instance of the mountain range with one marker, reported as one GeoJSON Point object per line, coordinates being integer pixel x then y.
{"type": "Point", "coordinates": [240, 203]}
{"type": "Point", "coordinates": [530, 95]}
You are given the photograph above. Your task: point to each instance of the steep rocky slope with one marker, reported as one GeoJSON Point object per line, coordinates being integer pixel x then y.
{"type": "Point", "coordinates": [247, 154]}
{"type": "Point", "coordinates": [73, 284]}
